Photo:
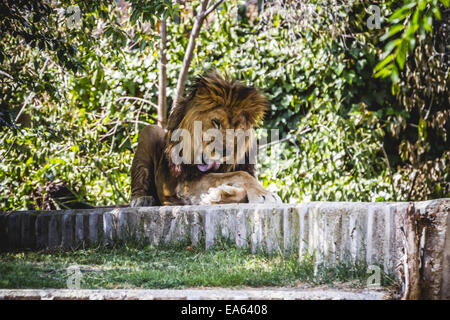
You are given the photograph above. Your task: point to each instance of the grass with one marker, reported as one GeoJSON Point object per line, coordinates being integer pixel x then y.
{"type": "Point", "coordinates": [136, 267]}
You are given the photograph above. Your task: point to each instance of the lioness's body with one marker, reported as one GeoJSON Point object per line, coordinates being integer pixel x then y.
{"type": "Point", "coordinates": [156, 180]}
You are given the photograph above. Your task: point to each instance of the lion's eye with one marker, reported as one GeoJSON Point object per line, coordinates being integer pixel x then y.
{"type": "Point", "coordinates": [216, 123]}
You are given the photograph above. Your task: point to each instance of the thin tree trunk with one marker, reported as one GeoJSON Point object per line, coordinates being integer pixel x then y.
{"type": "Point", "coordinates": [200, 18]}
{"type": "Point", "coordinates": [412, 231]}
{"type": "Point", "coordinates": [162, 100]}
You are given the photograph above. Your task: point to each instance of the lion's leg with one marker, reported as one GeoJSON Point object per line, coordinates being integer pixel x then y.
{"type": "Point", "coordinates": [231, 187]}
{"type": "Point", "coordinates": [143, 191]}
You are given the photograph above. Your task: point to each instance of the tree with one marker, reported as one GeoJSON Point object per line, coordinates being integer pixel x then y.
{"type": "Point", "coordinates": [200, 18]}
{"type": "Point", "coordinates": [415, 57]}
{"type": "Point", "coordinates": [39, 24]}
{"type": "Point", "coordinates": [164, 10]}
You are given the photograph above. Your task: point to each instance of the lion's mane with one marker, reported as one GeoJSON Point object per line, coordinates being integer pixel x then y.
{"type": "Point", "coordinates": [207, 93]}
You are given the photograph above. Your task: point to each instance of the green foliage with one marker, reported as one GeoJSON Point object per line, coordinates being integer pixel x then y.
{"type": "Point", "coordinates": [414, 57]}
{"type": "Point", "coordinates": [323, 99]}
{"type": "Point", "coordinates": [413, 19]}
{"type": "Point", "coordinates": [34, 23]}
{"type": "Point", "coordinates": [144, 10]}
{"type": "Point", "coordinates": [346, 136]}
{"type": "Point", "coordinates": [73, 129]}
{"type": "Point", "coordinates": [34, 34]}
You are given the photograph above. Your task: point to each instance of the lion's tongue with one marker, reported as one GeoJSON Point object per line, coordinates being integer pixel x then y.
{"type": "Point", "coordinates": [205, 167]}
{"type": "Point", "coordinates": [211, 165]}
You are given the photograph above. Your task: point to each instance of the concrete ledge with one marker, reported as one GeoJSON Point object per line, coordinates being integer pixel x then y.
{"type": "Point", "coordinates": [195, 294]}
{"type": "Point", "coordinates": [371, 233]}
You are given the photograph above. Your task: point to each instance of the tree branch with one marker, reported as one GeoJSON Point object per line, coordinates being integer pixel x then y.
{"type": "Point", "coordinates": [203, 13]}
{"type": "Point", "coordinates": [411, 188]}
{"type": "Point", "coordinates": [391, 172]}
{"type": "Point", "coordinates": [138, 99]}
{"type": "Point", "coordinates": [213, 7]}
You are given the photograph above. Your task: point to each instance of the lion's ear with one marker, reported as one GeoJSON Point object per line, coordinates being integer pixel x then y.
{"type": "Point", "coordinates": [179, 111]}
{"type": "Point", "coordinates": [176, 115]}
{"type": "Point", "coordinates": [254, 112]}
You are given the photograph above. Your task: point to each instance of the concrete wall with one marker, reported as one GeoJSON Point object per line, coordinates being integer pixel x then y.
{"type": "Point", "coordinates": [333, 231]}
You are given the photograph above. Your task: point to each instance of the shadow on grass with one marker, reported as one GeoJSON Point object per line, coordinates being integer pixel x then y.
{"type": "Point", "coordinates": [137, 266]}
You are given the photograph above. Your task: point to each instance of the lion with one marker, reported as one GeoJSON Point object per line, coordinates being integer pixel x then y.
{"type": "Point", "coordinates": [220, 177]}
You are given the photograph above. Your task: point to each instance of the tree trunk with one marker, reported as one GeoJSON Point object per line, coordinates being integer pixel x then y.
{"type": "Point", "coordinates": [410, 269]}
{"type": "Point", "coordinates": [162, 99]}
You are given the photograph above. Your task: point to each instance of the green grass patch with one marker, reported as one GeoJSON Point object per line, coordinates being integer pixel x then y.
{"type": "Point", "coordinates": [135, 267]}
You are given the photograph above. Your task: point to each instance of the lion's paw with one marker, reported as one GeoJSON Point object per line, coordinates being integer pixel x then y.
{"type": "Point", "coordinates": [222, 194]}
{"type": "Point", "coordinates": [146, 201]}
{"type": "Point", "coordinates": [262, 196]}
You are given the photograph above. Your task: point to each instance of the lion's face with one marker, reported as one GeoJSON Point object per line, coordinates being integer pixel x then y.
{"type": "Point", "coordinates": [219, 116]}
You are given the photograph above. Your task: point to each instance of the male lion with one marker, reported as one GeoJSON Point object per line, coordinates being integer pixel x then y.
{"type": "Point", "coordinates": [216, 103]}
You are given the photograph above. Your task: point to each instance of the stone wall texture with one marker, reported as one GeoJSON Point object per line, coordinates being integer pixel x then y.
{"type": "Point", "coordinates": [333, 232]}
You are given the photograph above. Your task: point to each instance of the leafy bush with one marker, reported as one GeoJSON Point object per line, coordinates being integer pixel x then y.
{"type": "Point", "coordinates": [337, 121]}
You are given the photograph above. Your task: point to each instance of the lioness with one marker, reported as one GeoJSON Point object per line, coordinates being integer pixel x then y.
{"type": "Point", "coordinates": [220, 177]}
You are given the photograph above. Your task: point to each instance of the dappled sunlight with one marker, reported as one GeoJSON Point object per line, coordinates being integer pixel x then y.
{"type": "Point", "coordinates": [349, 129]}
